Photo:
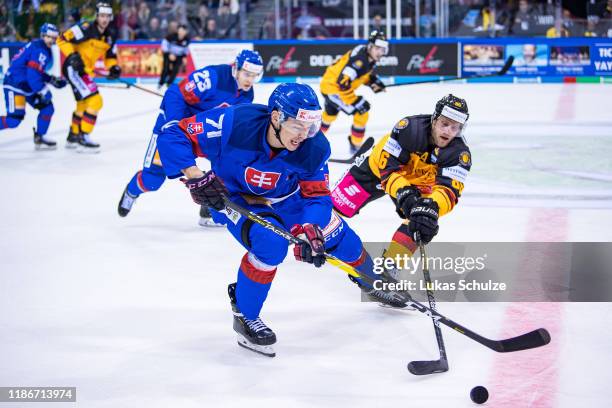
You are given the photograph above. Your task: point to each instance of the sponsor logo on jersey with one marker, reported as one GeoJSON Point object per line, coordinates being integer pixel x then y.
{"type": "Point", "coordinates": [352, 190]}
{"type": "Point", "coordinates": [393, 147]}
{"type": "Point", "coordinates": [456, 173]}
{"type": "Point", "coordinates": [195, 128]}
{"type": "Point", "coordinates": [259, 182]}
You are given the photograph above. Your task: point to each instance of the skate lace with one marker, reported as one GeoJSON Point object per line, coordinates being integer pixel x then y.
{"type": "Point", "coordinates": [256, 325]}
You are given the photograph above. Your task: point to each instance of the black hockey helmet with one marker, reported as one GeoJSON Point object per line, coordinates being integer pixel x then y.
{"type": "Point", "coordinates": [453, 108]}
{"type": "Point", "coordinates": [379, 39]}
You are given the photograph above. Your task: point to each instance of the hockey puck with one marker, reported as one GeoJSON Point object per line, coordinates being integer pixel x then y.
{"type": "Point", "coordinates": [479, 394]}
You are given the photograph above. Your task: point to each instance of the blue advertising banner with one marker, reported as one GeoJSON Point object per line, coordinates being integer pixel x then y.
{"type": "Point", "coordinates": [602, 58]}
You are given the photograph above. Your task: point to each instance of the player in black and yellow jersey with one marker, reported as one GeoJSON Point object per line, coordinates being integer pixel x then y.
{"type": "Point", "coordinates": [422, 165]}
{"type": "Point", "coordinates": [82, 45]}
{"type": "Point", "coordinates": [342, 78]}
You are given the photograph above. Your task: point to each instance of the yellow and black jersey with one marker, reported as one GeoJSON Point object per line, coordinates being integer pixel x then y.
{"type": "Point", "coordinates": [86, 39]}
{"type": "Point", "coordinates": [407, 157]}
{"type": "Point", "coordinates": [352, 70]}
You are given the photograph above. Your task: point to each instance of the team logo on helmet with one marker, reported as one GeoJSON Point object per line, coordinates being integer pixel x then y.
{"type": "Point", "coordinates": [259, 182]}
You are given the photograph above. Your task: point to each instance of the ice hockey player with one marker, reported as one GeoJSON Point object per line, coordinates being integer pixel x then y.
{"type": "Point", "coordinates": [341, 79]}
{"type": "Point", "coordinates": [26, 81]}
{"type": "Point", "coordinates": [207, 88]}
{"type": "Point", "coordinates": [82, 45]}
{"type": "Point", "coordinates": [422, 165]}
{"type": "Point", "coordinates": [274, 154]}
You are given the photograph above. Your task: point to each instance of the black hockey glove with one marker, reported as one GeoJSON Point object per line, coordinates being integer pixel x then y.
{"type": "Point", "coordinates": [42, 99]}
{"type": "Point", "coordinates": [423, 220]}
{"type": "Point", "coordinates": [312, 249]}
{"type": "Point", "coordinates": [57, 82]}
{"type": "Point", "coordinates": [376, 84]}
{"type": "Point", "coordinates": [208, 190]}
{"type": "Point", "coordinates": [114, 72]}
{"type": "Point", "coordinates": [75, 61]}
{"type": "Point", "coordinates": [361, 105]}
{"type": "Point", "coordinates": [405, 199]}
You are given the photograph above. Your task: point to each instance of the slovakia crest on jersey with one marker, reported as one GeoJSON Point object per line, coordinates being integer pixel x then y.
{"type": "Point", "coordinates": [260, 182]}
{"type": "Point", "coordinates": [195, 128]}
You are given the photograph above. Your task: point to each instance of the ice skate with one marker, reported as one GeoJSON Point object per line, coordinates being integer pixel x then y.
{"type": "Point", "coordinates": [251, 334]}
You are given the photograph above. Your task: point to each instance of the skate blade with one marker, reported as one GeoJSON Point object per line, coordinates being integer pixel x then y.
{"type": "Point", "coordinates": [403, 308]}
{"type": "Point", "coordinates": [39, 148]}
{"type": "Point", "coordinates": [209, 223]}
{"type": "Point", "coordinates": [88, 150]}
{"type": "Point", "coordinates": [71, 146]}
{"type": "Point", "coordinates": [267, 351]}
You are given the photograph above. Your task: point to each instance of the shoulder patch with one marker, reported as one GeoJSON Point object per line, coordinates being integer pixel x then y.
{"type": "Point", "coordinates": [358, 64]}
{"type": "Point", "coordinates": [465, 158]}
{"type": "Point", "coordinates": [402, 124]}
{"type": "Point", "coordinates": [393, 147]}
{"type": "Point", "coordinates": [78, 32]}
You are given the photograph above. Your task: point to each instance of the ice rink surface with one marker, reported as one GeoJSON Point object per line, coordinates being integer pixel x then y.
{"type": "Point", "coordinates": [134, 312]}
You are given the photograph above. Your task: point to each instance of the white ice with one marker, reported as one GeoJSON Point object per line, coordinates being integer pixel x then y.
{"type": "Point", "coordinates": [134, 312]}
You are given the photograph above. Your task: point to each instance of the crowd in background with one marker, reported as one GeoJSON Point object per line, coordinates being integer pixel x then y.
{"type": "Point", "coordinates": [221, 19]}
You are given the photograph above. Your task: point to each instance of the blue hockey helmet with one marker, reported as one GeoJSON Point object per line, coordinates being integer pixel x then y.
{"type": "Point", "coordinates": [49, 30]}
{"type": "Point", "coordinates": [297, 101]}
{"type": "Point", "coordinates": [249, 61]}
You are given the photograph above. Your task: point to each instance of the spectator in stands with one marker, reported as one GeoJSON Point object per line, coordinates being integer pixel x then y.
{"type": "Point", "coordinates": [198, 22]}
{"type": "Point", "coordinates": [7, 32]}
{"type": "Point", "coordinates": [559, 29]}
{"type": "Point", "coordinates": [154, 31]}
{"type": "Point", "coordinates": [227, 18]}
{"type": "Point", "coordinates": [175, 48]}
{"type": "Point", "coordinates": [144, 15]}
{"type": "Point", "coordinates": [377, 23]}
{"type": "Point", "coordinates": [523, 19]}
{"type": "Point", "coordinates": [590, 30]}
{"type": "Point", "coordinates": [211, 29]}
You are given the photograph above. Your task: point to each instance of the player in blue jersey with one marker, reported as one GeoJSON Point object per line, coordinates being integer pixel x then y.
{"type": "Point", "coordinates": [26, 81]}
{"type": "Point", "coordinates": [273, 161]}
{"type": "Point", "coordinates": [207, 88]}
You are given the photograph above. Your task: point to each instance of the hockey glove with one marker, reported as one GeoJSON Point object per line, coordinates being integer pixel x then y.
{"type": "Point", "coordinates": [361, 105]}
{"type": "Point", "coordinates": [376, 84]}
{"type": "Point", "coordinates": [114, 72]}
{"type": "Point", "coordinates": [423, 220]}
{"type": "Point", "coordinates": [344, 83]}
{"type": "Point", "coordinates": [42, 99]}
{"type": "Point", "coordinates": [405, 199]}
{"type": "Point", "coordinates": [57, 82]}
{"type": "Point", "coordinates": [207, 190]}
{"type": "Point", "coordinates": [312, 248]}
{"type": "Point", "coordinates": [75, 61]}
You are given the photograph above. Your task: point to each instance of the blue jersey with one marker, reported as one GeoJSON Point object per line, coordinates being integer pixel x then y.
{"type": "Point", "coordinates": [207, 88]}
{"type": "Point", "coordinates": [234, 140]}
{"type": "Point", "coordinates": [27, 75]}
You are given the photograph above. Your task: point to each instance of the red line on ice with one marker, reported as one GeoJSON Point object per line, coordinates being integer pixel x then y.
{"type": "Point", "coordinates": [530, 378]}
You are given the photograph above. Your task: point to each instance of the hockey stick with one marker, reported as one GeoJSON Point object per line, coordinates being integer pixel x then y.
{"type": "Point", "coordinates": [130, 85]}
{"type": "Point", "coordinates": [533, 339]}
{"type": "Point", "coordinates": [501, 72]}
{"type": "Point", "coordinates": [431, 366]}
{"type": "Point", "coordinates": [365, 146]}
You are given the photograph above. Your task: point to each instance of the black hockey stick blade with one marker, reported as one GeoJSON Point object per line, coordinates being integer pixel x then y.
{"type": "Point", "coordinates": [365, 146]}
{"type": "Point", "coordinates": [533, 339]}
{"type": "Point", "coordinates": [428, 367]}
{"type": "Point", "coordinates": [506, 66]}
